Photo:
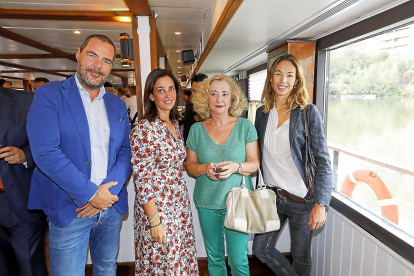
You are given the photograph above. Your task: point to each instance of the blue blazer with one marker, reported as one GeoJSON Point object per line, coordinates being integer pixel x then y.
{"type": "Point", "coordinates": [14, 106]}
{"type": "Point", "coordinates": [297, 138]}
{"type": "Point", "coordinates": [59, 137]}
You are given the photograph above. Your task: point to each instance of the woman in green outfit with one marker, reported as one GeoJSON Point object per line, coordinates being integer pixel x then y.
{"type": "Point", "coordinates": [221, 149]}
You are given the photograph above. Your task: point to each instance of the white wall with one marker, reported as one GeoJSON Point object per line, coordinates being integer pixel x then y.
{"type": "Point", "coordinates": [341, 248]}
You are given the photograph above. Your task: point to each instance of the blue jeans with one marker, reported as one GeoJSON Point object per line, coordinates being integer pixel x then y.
{"type": "Point", "coordinates": [300, 235]}
{"type": "Point", "coordinates": [212, 226]}
{"type": "Point", "coordinates": [68, 245]}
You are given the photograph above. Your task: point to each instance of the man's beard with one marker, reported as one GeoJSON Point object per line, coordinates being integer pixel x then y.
{"type": "Point", "coordinates": [83, 77]}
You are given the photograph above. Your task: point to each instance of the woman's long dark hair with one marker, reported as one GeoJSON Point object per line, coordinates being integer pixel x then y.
{"type": "Point", "coordinates": [150, 109]}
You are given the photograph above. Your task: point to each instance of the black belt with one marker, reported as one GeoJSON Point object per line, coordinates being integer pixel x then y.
{"type": "Point", "coordinates": [293, 197]}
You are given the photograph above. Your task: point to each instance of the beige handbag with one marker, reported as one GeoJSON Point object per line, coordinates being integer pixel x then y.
{"type": "Point", "coordinates": [252, 211]}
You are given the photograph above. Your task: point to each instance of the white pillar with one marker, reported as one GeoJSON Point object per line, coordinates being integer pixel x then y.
{"type": "Point", "coordinates": [144, 48]}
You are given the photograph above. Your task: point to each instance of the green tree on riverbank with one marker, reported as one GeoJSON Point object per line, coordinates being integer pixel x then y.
{"type": "Point", "coordinates": [353, 71]}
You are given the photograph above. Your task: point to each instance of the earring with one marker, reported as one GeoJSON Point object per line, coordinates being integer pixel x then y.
{"type": "Point", "coordinates": [294, 86]}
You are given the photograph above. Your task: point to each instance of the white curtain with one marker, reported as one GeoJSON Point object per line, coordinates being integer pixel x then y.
{"type": "Point", "coordinates": [251, 113]}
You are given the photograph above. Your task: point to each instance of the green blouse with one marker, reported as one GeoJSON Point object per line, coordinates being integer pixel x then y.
{"type": "Point", "coordinates": [211, 194]}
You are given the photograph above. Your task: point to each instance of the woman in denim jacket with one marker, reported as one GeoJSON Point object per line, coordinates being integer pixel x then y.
{"type": "Point", "coordinates": [281, 131]}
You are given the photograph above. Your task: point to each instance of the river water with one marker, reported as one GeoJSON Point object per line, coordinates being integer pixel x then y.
{"type": "Point", "coordinates": [381, 129]}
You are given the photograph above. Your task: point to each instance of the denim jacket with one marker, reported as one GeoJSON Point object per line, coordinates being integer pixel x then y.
{"type": "Point", "coordinates": [323, 177]}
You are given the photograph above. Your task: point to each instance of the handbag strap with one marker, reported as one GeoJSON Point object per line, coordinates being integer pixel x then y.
{"type": "Point", "coordinates": [259, 175]}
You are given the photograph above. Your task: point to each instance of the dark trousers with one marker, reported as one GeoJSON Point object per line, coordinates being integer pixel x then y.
{"type": "Point", "coordinates": [22, 244]}
{"type": "Point", "coordinates": [300, 235]}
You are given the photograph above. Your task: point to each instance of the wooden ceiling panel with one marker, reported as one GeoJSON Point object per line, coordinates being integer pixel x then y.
{"type": "Point", "coordinates": [50, 63]}
{"type": "Point", "coordinates": [65, 5]}
{"type": "Point", "coordinates": [33, 75]}
{"type": "Point", "coordinates": [199, 4]}
{"type": "Point", "coordinates": [8, 46]}
{"type": "Point", "coordinates": [183, 14]}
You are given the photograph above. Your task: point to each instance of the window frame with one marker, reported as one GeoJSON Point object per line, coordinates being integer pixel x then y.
{"type": "Point", "coordinates": [391, 19]}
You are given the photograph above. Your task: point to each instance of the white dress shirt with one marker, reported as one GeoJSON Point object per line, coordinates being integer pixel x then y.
{"type": "Point", "coordinates": [99, 132]}
{"type": "Point", "coordinates": [279, 170]}
{"type": "Point", "coordinates": [133, 107]}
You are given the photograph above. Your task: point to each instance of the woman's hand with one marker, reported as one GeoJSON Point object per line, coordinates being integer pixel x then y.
{"type": "Point", "coordinates": [317, 217]}
{"type": "Point", "coordinates": [212, 171]}
{"type": "Point", "coordinates": [158, 234]}
{"type": "Point", "coordinates": [227, 168]}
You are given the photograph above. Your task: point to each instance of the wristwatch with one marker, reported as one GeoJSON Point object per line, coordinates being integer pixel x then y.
{"type": "Point", "coordinates": [239, 170]}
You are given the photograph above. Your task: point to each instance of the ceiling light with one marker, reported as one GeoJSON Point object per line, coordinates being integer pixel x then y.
{"type": "Point", "coordinates": [179, 72]}
{"type": "Point", "coordinates": [177, 33]}
{"type": "Point", "coordinates": [179, 67]}
{"type": "Point", "coordinates": [179, 60]}
{"type": "Point", "coordinates": [177, 51]}
{"type": "Point", "coordinates": [126, 19]}
{"type": "Point", "coordinates": [77, 32]}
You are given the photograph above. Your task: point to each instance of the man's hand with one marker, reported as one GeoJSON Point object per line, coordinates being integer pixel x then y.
{"type": "Point", "coordinates": [87, 210]}
{"type": "Point", "coordinates": [317, 217]}
{"type": "Point", "coordinates": [103, 198]}
{"type": "Point", "coordinates": [12, 155]}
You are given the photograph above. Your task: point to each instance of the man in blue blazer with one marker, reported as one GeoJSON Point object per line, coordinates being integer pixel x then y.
{"type": "Point", "coordinates": [79, 137]}
{"type": "Point", "coordinates": [22, 232]}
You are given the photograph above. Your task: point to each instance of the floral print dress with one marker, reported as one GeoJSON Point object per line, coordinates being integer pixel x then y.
{"type": "Point", "coordinates": [157, 164]}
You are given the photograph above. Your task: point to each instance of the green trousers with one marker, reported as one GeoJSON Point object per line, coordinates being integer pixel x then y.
{"type": "Point", "coordinates": [212, 226]}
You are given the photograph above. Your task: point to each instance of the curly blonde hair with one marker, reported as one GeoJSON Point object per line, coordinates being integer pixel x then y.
{"type": "Point", "coordinates": [200, 98]}
{"type": "Point", "coordinates": [297, 97]}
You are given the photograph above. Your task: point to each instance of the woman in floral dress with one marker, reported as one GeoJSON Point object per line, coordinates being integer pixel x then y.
{"type": "Point", "coordinates": [164, 234]}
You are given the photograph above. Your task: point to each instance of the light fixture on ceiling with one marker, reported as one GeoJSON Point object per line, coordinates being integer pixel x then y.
{"type": "Point", "coordinates": [127, 49]}
{"type": "Point", "coordinates": [125, 19]}
{"type": "Point", "coordinates": [179, 72]}
{"type": "Point", "coordinates": [177, 33]}
{"type": "Point", "coordinates": [179, 67]}
{"type": "Point", "coordinates": [77, 32]}
{"type": "Point", "coordinates": [179, 60]}
{"type": "Point", "coordinates": [177, 51]}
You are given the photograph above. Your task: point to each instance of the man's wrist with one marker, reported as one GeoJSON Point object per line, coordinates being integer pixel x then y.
{"type": "Point", "coordinates": [320, 205]}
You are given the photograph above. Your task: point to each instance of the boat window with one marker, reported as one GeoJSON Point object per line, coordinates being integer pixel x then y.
{"type": "Point", "coordinates": [370, 125]}
{"type": "Point", "coordinates": [256, 85]}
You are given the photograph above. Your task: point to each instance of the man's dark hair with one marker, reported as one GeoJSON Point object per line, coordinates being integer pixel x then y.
{"type": "Point", "coordinates": [121, 91]}
{"type": "Point", "coordinates": [2, 82]}
{"type": "Point", "coordinates": [102, 38]}
{"type": "Point", "coordinates": [199, 77]}
{"type": "Point", "coordinates": [132, 90]}
{"type": "Point", "coordinates": [150, 109]}
{"type": "Point", "coordinates": [41, 79]}
{"type": "Point", "coordinates": [108, 84]}
{"type": "Point", "coordinates": [187, 92]}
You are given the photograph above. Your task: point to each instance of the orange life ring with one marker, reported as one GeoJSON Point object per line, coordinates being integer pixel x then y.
{"type": "Point", "coordinates": [389, 207]}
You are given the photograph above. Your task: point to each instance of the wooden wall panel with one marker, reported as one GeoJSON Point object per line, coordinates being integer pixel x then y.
{"type": "Point", "coordinates": [329, 229]}
{"type": "Point", "coordinates": [346, 249]}
{"type": "Point", "coordinates": [337, 246]}
{"type": "Point", "coordinates": [369, 258]}
{"type": "Point", "coordinates": [360, 253]}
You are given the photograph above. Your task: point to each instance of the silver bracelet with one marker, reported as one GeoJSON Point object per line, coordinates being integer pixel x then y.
{"type": "Point", "coordinates": [199, 170]}
{"type": "Point", "coordinates": [156, 225]}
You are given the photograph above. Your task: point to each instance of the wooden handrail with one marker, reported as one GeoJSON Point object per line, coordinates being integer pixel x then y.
{"type": "Point", "coordinates": [371, 160]}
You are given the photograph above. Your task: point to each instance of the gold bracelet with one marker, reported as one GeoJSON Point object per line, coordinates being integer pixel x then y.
{"type": "Point", "coordinates": [199, 170]}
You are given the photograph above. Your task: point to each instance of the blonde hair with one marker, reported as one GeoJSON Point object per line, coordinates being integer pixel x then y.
{"type": "Point", "coordinates": [200, 98]}
{"type": "Point", "coordinates": [297, 97]}
{"type": "Point", "coordinates": [112, 90]}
